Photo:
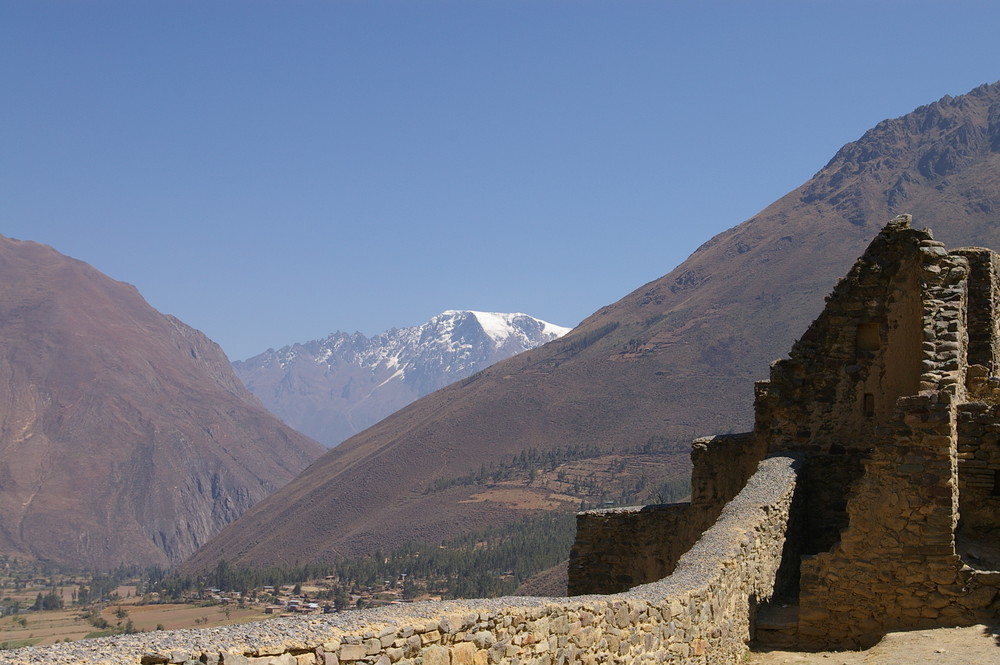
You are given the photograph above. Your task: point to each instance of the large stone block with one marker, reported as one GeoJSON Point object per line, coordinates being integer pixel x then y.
{"type": "Point", "coordinates": [436, 655]}
{"type": "Point", "coordinates": [352, 652]}
{"type": "Point", "coordinates": [463, 654]}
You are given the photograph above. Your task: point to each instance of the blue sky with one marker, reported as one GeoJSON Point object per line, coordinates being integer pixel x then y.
{"type": "Point", "coordinates": [270, 172]}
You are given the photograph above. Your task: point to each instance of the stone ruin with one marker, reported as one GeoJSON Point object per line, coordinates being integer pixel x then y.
{"type": "Point", "coordinates": [889, 408]}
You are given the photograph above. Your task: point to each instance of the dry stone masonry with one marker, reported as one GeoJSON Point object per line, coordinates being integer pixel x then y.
{"type": "Point", "coordinates": [619, 548]}
{"type": "Point", "coordinates": [888, 402]}
{"type": "Point", "coordinates": [866, 500]}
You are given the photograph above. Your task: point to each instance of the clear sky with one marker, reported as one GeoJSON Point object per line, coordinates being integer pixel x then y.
{"type": "Point", "coordinates": [271, 172]}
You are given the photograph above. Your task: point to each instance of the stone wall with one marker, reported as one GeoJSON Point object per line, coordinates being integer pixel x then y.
{"type": "Point", "coordinates": [895, 325]}
{"type": "Point", "coordinates": [720, 467]}
{"type": "Point", "coordinates": [978, 536]}
{"type": "Point", "coordinates": [701, 614]}
{"type": "Point", "coordinates": [843, 376]}
{"type": "Point", "coordinates": [896, 566]}
{"type": "Point", "coordinates": [984, 297]}
{"type": "Point", "coordinates": [874, 398]}
{"type": "Point", "coordinates": [945, 348]}
{"type": "Point", "coordinates": [618, 548]}
{"type": "Point", "coordinates": [904, 507]}
{"type": "Point", "coordinates": [871, 345]}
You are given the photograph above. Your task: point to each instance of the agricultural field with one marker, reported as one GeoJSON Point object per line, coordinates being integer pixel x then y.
{"type": "Point", "coordinates": [50, 626]}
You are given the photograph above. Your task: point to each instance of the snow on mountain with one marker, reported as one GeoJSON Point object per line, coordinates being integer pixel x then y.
{"type": "Point", "coordinates": [333, 388]}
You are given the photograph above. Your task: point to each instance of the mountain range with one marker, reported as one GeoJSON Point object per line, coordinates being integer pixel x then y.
{"type": "Point", "coordinates": [332, 388]}
{"type": "Point", "coordinates": [672, 360]}
{"type": "Point", "coordinates": [125, 436]}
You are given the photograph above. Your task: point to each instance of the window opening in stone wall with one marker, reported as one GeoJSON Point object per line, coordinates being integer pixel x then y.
{"type": "Point", "coordinates": [996, 483]}
{"type": "Point", "coordinates": [869, 338]}
{"type": "Point", "coordinates": [869, 404]}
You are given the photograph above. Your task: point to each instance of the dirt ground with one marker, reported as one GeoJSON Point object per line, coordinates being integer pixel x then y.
{"type": "Point", "coordinates": [522, 498]}
{"type": "Point", "coordinates": [147, 617]}
{"type": "Point", "coordinates": [975, 645]}
{"type": "Point", "coordinates": [57, 625]}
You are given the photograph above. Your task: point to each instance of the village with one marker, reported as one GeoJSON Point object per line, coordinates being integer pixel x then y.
{"type": "Point", "coordinates": [46, 609]}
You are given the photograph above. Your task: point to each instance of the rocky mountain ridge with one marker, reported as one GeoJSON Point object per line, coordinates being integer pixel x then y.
{"type": "Point", "coordinates": [335, 387]}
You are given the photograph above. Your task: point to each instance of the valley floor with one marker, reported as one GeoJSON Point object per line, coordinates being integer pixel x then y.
{"type": "Point", "coordinates": [975, 645]}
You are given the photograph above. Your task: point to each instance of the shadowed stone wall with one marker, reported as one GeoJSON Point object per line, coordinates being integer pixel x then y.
{"type": "Point", "coordinates": [984, 298]}
{"type": "Point", "coordinates": [619, 548]}
{"type": "Point", "coordinates": [896, 566]}
{"type": "Point", "coordinates": [978, 536]}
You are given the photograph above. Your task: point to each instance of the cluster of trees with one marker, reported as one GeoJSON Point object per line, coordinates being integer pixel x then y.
{"type": "Point", "coordinates": [627, 492]}
{"type": "Point", "coordinates": [242, 579]}
{"type": "Point", "coordinates": [123, 625]}
{"type": "Point", "coordinates": [671, 490]}
{"type": "Point", "coordinates": [481, 564]}
{"type": "Point", "coordinates": [88, 587]}
{"type": "Point", "coordinates": [9, 605]}
{"type": "Point", "coordinates": [661, 445]}
{"type": "Point", "coordinates": [476, 565]}
{"type": "Point", "coordinates": [48, 601]}
{"type": "Point", "coordinates": [102, 586]}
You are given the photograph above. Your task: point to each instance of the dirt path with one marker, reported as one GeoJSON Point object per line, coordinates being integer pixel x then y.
{"type": "Point", "coordinates": [976, 645]}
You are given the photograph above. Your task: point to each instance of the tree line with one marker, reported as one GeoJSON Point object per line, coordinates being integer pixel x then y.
{"type": "Point", "coordinates": [480, 564]}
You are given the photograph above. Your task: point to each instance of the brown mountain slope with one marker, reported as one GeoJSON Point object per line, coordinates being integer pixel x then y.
{"type": "Point", "coordinates": [676, 358]}
{"type": "Point", "coordinates": [125, 437]}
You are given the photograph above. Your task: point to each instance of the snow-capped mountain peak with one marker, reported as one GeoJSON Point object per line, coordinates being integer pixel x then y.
{"type": "Point", "coordinates": [337, 386]}
{"type": "Point", "coordinates": [502, 327]}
